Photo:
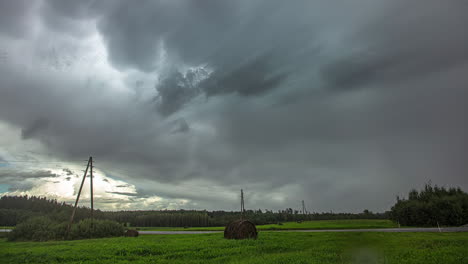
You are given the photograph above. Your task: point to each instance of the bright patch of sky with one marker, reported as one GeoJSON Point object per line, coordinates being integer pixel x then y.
{"type": "Point", "coordinates": [4, 188]}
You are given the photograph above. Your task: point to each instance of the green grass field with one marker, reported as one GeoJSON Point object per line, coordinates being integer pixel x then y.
{"type": "Point", "coordinates": [321, 224]}
{"type": "Point", "coordinates": [270, 247]}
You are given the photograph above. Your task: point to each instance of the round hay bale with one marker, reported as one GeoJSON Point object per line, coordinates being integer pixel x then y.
{"type": "Point", "coordinates": [240, 229]}
{"type": "Point", "coordinates": [131, 233]}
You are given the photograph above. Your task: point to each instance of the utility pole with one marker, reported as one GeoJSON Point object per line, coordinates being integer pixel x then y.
{"type": "Point", "coordinates": [88, 166]}
{"type": "Point", "coordinates": [242, 204]}
{"type": "Point", "coordinates": [91, 181]}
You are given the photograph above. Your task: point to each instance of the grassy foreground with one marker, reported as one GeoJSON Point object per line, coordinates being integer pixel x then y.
{"type": "Point", "coordinates": [271, 247]}
{"type": "Point", "coordinates": [319, 224]}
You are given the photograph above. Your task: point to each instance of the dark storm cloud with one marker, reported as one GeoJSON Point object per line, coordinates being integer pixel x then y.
{"type": "Point", "coordinates": [16, 17]}
{"type": "Point", "coordinates": [176, 90]}
{"type": "Point", "coordinates": [21, 180]}
{"type": "Point", "coordinates": [251, 78]}
{"type": "Point", "coordinates": [35, 127]}
{"type": "Point", "coordinates": [73, 9]}
{"type": "Point", "coordinates": [22, 175]}
{"type": "Point", "coordinates": [180, 126]}
{"type": "Point", "coordinates": [134, 33]}
{"type": "Point", "coordinates": [425, 41]}
{"type": "Point", "coordinates": [242, 42]}
{"type": "Point", "coordinates": [69, 17]}
{"type": "Point", "coordinates": [255, 77]}
{"type": "Point", "coordinates": [125, 194]}
{"type": "Point", "coordinates": [343, 105]}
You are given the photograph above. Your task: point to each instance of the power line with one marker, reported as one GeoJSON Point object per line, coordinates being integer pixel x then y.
{"type": "Point", "coordinates": [37, 161]}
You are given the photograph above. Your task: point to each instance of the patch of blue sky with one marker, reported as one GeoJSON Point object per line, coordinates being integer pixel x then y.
{"type": "Point", "coordinates": [4, 187]}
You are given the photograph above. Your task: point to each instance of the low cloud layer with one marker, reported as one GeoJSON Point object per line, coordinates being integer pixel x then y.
{"type": "Point", "coordinates": [343, 105]}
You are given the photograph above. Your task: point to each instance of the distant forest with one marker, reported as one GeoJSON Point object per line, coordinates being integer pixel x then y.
{"type": "Point", "coordinates": [431, 206]}
{"type": "Point", "coordinates": [16, 209]}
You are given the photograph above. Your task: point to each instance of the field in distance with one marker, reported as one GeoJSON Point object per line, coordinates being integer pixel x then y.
{"type": "Point", "coordinates": [319, 224]}
{"type": "Point", "coordinates": [270, 247]}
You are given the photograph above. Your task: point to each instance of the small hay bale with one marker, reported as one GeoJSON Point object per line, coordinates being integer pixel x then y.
{"type": "Point", "coordinates": [240, 229]}
{"type": "Point", "coordinates": [131, 233]}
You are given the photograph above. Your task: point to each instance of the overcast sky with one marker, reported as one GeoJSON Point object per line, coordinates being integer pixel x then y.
{"type": "Point", "coordinates": [343, 104]}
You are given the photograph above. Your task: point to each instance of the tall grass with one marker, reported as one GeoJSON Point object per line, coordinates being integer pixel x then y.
{"type": "Point", "coordinates": [270, 247]}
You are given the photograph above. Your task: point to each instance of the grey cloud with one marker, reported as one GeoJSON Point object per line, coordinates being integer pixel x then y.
{"type": "Point", "coordinates": [22, 180]}
{"type": "Point", "coordinates": [134, 32]}
{"type": "Point", "coordinates": [180, 126]}
{"type": "Point", "coordinates": [68, 171]}
{"type": "Point", "coordinates": [73, 9]}
{"type": "Point", "coordinates": [21, 186]}
{"type": "Point", "coordinates": [19, 175]}
{"type": "Point", "coordinates": [70, 17]}
{"type": "Point", "coordinates": [16, 17]}
{"type": "Point", "coordinates": [423, 42]}
{"type": "Point", "coordinates": [35, 128]}
{"type": "Point", "coordinates": [342, 105]}
{"type": "Point", "coordinates": [256, 76]}
{"type": "Point", "coordinates": [176, 90]}
{"type": "Point", "coordinates": [125, 193]}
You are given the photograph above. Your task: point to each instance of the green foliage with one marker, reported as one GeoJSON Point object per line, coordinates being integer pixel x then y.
{"type": "Point", "coordinates": [270, 247]}
{"type": "Point", "coordinates": [44, 229]}
{"type": "Point", "coordinates": [15, 209]}
{"type": "Point", "coordinates": [36, 229]}
{"type": "Point", "coordinates": [89, 228]}
{"type": "Point", "coordinates": [432, 206]}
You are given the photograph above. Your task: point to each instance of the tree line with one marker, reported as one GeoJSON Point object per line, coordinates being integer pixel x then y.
{"type": "Point", "coordinates": [432, 206]}
{"type": "Point", "coordinates": [16, 209]}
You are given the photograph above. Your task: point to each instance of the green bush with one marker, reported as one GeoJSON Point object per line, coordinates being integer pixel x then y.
{"type": "Point", "coordinates": [96, 229]}
{"type": "Point", "coordinates": [36, 229]}
{"type": "Point", "coordinates": [44, 229]}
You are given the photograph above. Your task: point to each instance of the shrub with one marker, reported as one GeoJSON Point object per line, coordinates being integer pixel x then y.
{"type": "Point", "coordinates": [96, 229]}
{"type": "Point", "coordinates": [36, 229]}
{"type": "Point", "coordinates": [44, 229]}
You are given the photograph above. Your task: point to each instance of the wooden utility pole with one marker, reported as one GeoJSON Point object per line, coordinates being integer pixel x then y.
{"type": "Point", "coordinates": [242, 204]}
{"type": "Point", "coordinates": [88, 166]}
{"type": "Point", "coordinates": [91, 183]}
